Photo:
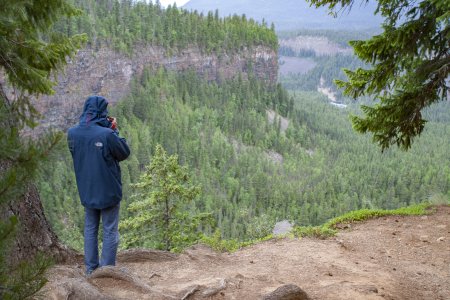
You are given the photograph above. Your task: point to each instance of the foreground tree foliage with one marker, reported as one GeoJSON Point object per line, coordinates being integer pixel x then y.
{"type": "Point", "coordinates": [411, 65]}
{"type": "Point", "coordinates": [160, 217]}
{"type": "Point", "coordinates": [27, 59]}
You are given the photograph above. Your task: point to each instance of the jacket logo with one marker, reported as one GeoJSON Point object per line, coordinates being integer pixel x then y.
{"type": "Point", "coordinates": [99, 144]}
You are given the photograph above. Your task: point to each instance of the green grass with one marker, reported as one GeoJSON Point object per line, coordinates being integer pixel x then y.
{"type": "Point", "coordinates": [321, 232]}
{"type": "Point", "coordinates": [329, 229]}
{"type": "Point", "coordinates": [217, 243]}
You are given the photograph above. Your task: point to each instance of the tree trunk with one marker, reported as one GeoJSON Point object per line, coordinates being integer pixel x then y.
{"type": "Point", "coordinates": [166, 225]}
{"type": "Point", "coordinates": [33, 233]}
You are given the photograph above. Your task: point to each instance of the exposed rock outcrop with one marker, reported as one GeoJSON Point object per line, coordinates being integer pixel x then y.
{"type": "Point", "coordinates": [108, 73]}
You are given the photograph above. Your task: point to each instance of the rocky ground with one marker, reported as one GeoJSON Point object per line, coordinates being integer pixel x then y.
{"type": "Point", "coordinates": [385, 258]}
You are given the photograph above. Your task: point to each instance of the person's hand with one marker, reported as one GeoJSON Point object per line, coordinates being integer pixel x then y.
{"type": "Point", "coordinates": [113, 123]}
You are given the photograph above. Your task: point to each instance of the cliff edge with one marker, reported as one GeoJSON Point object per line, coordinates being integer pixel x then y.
{"type": "Point", "coordinates": [386, 258]}
{"type": "Point", "coordinates": [109, 73]}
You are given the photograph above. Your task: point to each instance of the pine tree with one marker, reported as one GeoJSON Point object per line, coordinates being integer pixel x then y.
{"type": "Point", "coordinates": [28, 56]}
{"type": "Point", "coordinates": [160, 211]}
{"type": "Point", "coordinates": [411, 66]}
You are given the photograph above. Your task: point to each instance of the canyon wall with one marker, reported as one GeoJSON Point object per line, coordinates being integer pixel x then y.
{"type": "Point", "coordinates": [108, 73]}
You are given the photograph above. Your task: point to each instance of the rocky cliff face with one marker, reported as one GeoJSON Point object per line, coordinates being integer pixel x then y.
{"type": "Point", "coordinates": [108, 73]}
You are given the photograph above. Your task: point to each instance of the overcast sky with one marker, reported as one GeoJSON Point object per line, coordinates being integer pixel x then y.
{"type": "Point", "coordinates": [167, 2]}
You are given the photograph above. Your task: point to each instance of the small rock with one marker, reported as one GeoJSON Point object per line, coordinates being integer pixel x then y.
{"type": "Point", "coordinates": [424, 238]}
{"type": "Point", "coordinates": [209, 292]}
{"type": "Point", "coordinates": [367, 288]}
{"type": "Point", "coordinates": [287, 292]}
{"type": "Point", "coordinates": [424, 217]}
{"type": "Point", "coordinates": [441, 239]}
{"type": "Point", "coordinates": [283, 227]}
{"type": "Point", "coordinates": [441, 226]}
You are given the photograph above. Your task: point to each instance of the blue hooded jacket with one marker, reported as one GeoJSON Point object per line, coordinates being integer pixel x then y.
{"type": "Point", "coordinates": [96, 151]}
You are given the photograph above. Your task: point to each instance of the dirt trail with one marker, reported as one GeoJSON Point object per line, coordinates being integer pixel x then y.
{"type": "Point", "coordinates": [385, 258]}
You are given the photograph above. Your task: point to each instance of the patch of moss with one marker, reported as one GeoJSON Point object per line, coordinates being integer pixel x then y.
{"type": "Point", "coordinates": [321, 232]}
{"type": "Point", "coordinates": [217, 243]}
{"type": "Point", "coordinates": [329, 229]}
{"type": "Point", "coordinates": [324, 231]}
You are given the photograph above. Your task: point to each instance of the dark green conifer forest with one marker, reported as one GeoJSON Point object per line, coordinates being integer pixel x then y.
{"type": "Point", "coordinates": [125, 23]}
{"type": "Point", "coordinates": [249, 167]}
{"type": "Point", "coordinates": [259, 153]}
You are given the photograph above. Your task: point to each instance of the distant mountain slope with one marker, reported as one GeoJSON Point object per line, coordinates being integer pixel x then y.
{"type": "Point", "coordinates": [292, 14]}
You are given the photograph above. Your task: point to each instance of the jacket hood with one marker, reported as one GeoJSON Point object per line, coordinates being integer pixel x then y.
{"type": "Point", "coordinates": [95, 112]}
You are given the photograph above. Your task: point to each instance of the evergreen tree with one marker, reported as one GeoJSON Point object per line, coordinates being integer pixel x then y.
{"type": "Point", "coordinates": [28, 55]}
{"type": "Point", "coordinates": [411, 66]}
{"type": "Point", "coordinates": [160, 212]}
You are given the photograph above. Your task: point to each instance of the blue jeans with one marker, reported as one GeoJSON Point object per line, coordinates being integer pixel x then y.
{"type": "Point", "coordinates": [110, 221]}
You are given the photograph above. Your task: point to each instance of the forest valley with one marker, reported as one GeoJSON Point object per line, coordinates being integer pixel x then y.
{"type": "Point", "coordinates": [305, 164]}
{"type": "Point", "coordinates": [258, 152]}
{"type": "Point", "coordinates": [222, 161]}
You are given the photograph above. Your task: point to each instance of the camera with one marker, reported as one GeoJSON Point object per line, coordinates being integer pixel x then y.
{"type": "Point", "coordinates": [113, 122]}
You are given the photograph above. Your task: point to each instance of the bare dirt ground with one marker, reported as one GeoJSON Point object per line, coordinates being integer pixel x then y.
{"type": "Point", "coordinates": [385, 258]}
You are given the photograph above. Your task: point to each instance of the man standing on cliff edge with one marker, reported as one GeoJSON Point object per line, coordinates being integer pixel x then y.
{"type": "Point", "coordinates": [96, 150]}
